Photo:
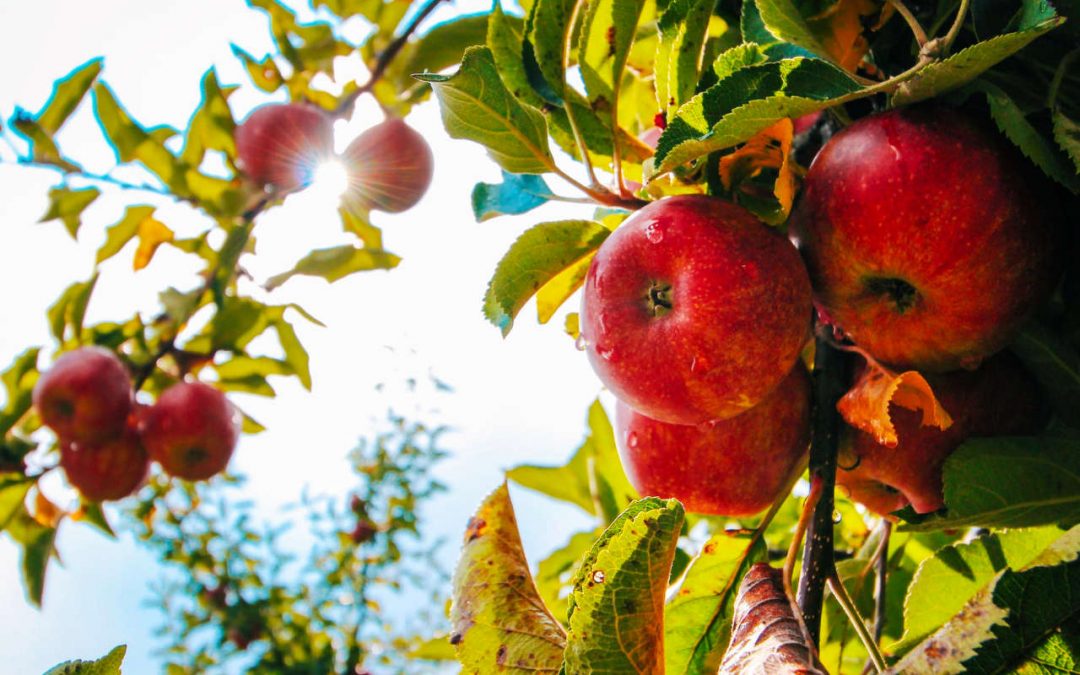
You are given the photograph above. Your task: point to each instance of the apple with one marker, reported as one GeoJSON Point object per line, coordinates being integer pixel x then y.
{"type": "Point", "coordinates": [390, 167]}
{"type": "Point", "coordinates": [732, 467]}
{"type": "Point", "coordinates": [1000, 398]}
{"type": "Point", "coordinates": [281, 144]}
{"type": "Point", "coordinates": [191, 431]}
{"type": "Point", "coordinates": [929, 239]}
{"type": "Point", "coordinates": [109, 470]}
{"type": "Point", "coordinates": [694, 310]}
{"type": "Point", "coordinates": [86, 396]}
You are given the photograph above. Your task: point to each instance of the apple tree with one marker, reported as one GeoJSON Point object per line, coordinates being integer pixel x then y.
{"type": "Point", "coordinates": [824, 259]}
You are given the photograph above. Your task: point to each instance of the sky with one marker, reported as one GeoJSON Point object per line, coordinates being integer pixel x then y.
{"type": "Point", "coordinates": [516, 400]}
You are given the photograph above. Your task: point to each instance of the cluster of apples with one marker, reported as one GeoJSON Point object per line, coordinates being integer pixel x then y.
{"type": "Point", "coordinates": [107, 439]}
{"type": "Point", "coordinates": [924, 238]}
{"type": "Point", "coordinates": [389, 165]}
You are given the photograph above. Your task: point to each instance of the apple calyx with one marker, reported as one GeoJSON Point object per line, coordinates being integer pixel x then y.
{"type": "Point", "coordinates": [899, 292]}
{"type": "Point", "coordinates": [659, 299]}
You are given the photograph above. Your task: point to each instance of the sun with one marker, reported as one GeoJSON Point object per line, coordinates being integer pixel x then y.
{"type": "Point", "coordinates": [329, 180]}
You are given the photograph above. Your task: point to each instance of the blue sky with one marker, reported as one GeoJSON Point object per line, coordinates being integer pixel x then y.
{"type": "Point", "coordinates": [522, 399]}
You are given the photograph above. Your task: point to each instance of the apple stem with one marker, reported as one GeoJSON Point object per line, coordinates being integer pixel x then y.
{"type": "Point", "coordinates": [912, 22]}
{"type": "Point", "coordinates": [831, 375]}
{"type": "Point", "coordinates": [856, 621]}
{"type": "Point", "coordinates": [954, 30]}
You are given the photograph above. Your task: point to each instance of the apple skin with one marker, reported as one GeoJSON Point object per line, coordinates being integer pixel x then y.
{"type": "Point", "coordinates": [191, 431]}
{"type": "Point", "coordinates": [999, 399]}
{"type": "Point", "coordinates": [86, 396]}
{"type": "Point", "coordinates": [732, 467]}
{"type": "Point", "coordinates": [929, 239]}
{"type": "Point", "coordinates": [280, 144]}
{"type": "Point", "coordinates": [390, 167]}
{"type": "Point", "coordinates": [694, 310]}
{"type": "Point", "coordinates": [110, 470]}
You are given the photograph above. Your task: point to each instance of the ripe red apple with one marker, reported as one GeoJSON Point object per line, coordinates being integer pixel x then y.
{"type": "Point", "coordinates": [281, 144]}
{"type": "Point", "coordinates": [112, 469]}
{"type": "Point", "coordinates": [732, 467]}
{"type": "Point", "coordinates": [929, 239]}
{"type": "Point", "coordinates": [1000, 398]}
{"type": "Point", "coordinates": [86, 396]}
{"type": "Point", "coordinates": [694, 310]}
{"type": "Point", "coordinates": [191, 431]}
{"type": "Point", "coordinates": [390, 167]}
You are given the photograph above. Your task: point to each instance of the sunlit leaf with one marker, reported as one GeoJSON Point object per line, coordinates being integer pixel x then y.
{"type": "Point", "coordinates": [538, 255]}
{"type": "Point", "coordinates": [93, 514]}
{"type": "Point", "coordinates": [444, 44]}
{"type": "Point", "coordinates": [68, 92]}
{"type": "Point", "coordinates": [498, 621]}
{"type": "Point", "coordinates": [36, 541]}
{"type": "Point", "coordinates": [866, 405]}
{"type": "Point", "coordinates": [608, 29]}
{"type": "Point", "coordinates": [768, 149]}
{"type": "Point", "coordinates": [67, 205]}
{"type": "Point", "coordinates": [697, 619]}
{"type": "Point", "coordinates": [336, 263]}
{"type": "Point", "coordinates": [212, 126]}
{"type": "Point", "coordinates": [13, 489]}
{"type": "Point", "coordinates": [152, 234]}
{"type": "Point", "coordinates": [264, 73]}
{"type": "Point", "coordinates": [554, 573]}
{"type": "Point", "coordinates": [67, 313]}
{"type": "Point", "coordinates": [118, 235]}
{"type": "Point", "coordinates": [545, 33]}
{"type": "Point", "coordinates": [616, 614]}
{"type": "Point", "coordinates": [359, 223]}
{"type": "Point", "coordinates": [683, 27]}
{"type": "Point", "coordinates": [556, 291]}
{"type": "Point", "coordinates": [476, 106]}
{"type": "Point", "coordinates": [132, 142]}
{"type": "Point", "coordinates": [107, 665]}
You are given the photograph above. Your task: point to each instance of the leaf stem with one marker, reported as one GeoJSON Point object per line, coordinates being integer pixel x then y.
{"type": "Point", "coordinates": [800, 532]}
{"type": "Point", "coordinates": [830, 382]}
{"type": "Point", "coordinates": [1059, 77]}
{"type": "Point", "coordinates": [385, 58]}
{"type": "Point", "coordinates": [583, 149]}
{"type": "Point", "coordinates": [912, 22]}
{"type": "Point", "coordinates": [954, 30]}
{"type": "Point", "coordinates": [852, 612]}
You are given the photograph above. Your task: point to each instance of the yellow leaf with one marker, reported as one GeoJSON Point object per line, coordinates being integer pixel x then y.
{"type": "Point", "coordinates": [152, 233]}
{"type": "Point", "coordinates": [770, 148]}
{"type": "Point", "coordinates": [572, 325]}
{"type": "Point", "coordinates": [554, 293]}
{"type": "Point", "coordinates": [840, 29]}
{"type": "Point", "coordinates": [866, 405]}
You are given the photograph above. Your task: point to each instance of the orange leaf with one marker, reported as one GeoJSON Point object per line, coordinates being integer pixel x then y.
{"type": "Point", "coordinates": [866, 405]}
{"type": "Point", "coordinates": [770, 148]}
{"type": "Point", "coordinates": [45, 512]}
{"type": "Point", "coordinates": [152, 233]}
{"type": "Point", "coordinates": [840, 29]}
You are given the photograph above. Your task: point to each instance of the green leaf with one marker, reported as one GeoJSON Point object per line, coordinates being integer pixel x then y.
{"type": "Point", "coordinates": [683, 27]}
{"type": "Point", "coordinates": [13, 489]}
{"type": "Point", "coordinates": [359, 223]}
{"type": "Point", "coordinates": [336, 263]}
{"type": "Point", "coordinates": [944, 583]}
{"type": "Point", "coordinates": [498, 621]}
{"type": "Point", "coordinates": [445, 44]}
{"type": "Point", "coordinates": [505, 42]}
{"type": "Point", "coordinates": [1067, 135]}
{"type": "Point", "coordinates": [37, 542]}
{"type": "Point", "coordinates": [131, 142]}
{"type": "Point", "coordinates": [747, 101]}
{"type": "Point", "coordinates": [106, 665]}
{"type": "Point", "coordinates": [69, 310]}
{"type": "Point", "coordinates": [18, 380]}
{"type": "Point", "coordinates": [295, 354]}
{"type": "Point", "coordinates": [264, 73]}
{"type": "Point", "coordinates": [1058, 654]}
{"type": "Point", "coordinates": [1055, 364]}
{"type": "Point", "coordinates": [67, 205]}
{"type": "Point", "coordinates": [212, 126]}
{"type": "Point", "coordinates": [42, 148]}
{"type": "Point", "coordinates": [1011, 482]}
{"type": "Point", "coordinates": [554, 572]}
{"type": "Point", "coordinates": [1008, 617]}
{"type": "Point", "coordinates": [1012, 122]}
{"type": "Point", "coordinates": [92, 513]}
{"type": "Point", "coordinates": [117, 236]}
{"type": "Point", "coordinates": [433, 649]}
{"type": "Point", "coordinates": [517, 194]}
{"type": "Point", "coordinates": [697, 619]}
{"type": "Point", "coordinates": [67, 94]}
{"type": "Point", "coordinates": [607, 34]}
{"type": "Point", "coordinates": [546, 34]}
{"type": "Point", "coordinates": [593, 478]}
{"type": "Point", "coordinates": [476, 106]}
{"type": "Point", "coordinates": [616, 614]}
{"type": "Point", "coordinates": [782, 19]}
{"type": "Point", "coordinates": [967, 64]}
{"type": "Point", "coordinates": [539, 254]}
{"type": "Point", "coordinates": [240, 367]}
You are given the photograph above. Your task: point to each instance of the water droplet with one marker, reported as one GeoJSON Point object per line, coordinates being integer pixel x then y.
{"type": "Point", "coordinates": [580, 342]}
{"type": "Point", "coordinates": [598, 577]}
{"type": "Point", "coordinates": [654, 233]}
{"type": "Point", "coordinates": [605, 352]}
{"type": "Point", "coordinates": [632, 440]}
{"type": "Point", "coordinates": [837, 516]}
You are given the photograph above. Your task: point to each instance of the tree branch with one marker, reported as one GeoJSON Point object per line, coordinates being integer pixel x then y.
{"type": "Point", "coordinates": [830, 383]}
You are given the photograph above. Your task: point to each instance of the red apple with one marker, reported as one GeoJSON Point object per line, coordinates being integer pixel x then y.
{"type": "Point", "coordinates": [109, 470]}
{"type": "Point", "coordinates": [929, 239]}
{"type": "Point", "coordinates": [390, 167]}
{"type": "Point", "coordinates": [191, 431]}
{"type": "Point", "coordinates": [1000, 398]}
{"type": "Point", "coordinates": [694, 310]}
{"type": "Point", "coordinates": [732, 467]}
{"type": "Point", "coordinates": [281, 144]}
{"type": "Point", "coordinates": [86, 395]}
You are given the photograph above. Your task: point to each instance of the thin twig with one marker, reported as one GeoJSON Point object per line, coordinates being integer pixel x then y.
{"type": "Point", "coordinates": [99, 178]}
{"type": "Point", "coordinates": [384, 59]}
{"type": "Point", "coordinates": [1059, 77]}
{"type": "Point", "coordinates": [954, 31]}
{"type": "Point", "coordinates": [800, 531]}
{"type": "Point", "coordinates": [912, 22]}
{"type": "Point", "coordinates": [880, 607]}
{"type": "Point", "coordinates": [856, 621]}
{"type": "Point", "coordinates": [579, 139]}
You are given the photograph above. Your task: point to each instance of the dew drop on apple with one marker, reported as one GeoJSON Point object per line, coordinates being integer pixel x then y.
{"type": "Point", "coordinates": [581, 342]}
{"type": "Point", "coordinates": [632, 440]}
{"type": "Point", "coordinates": [654, 233]}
